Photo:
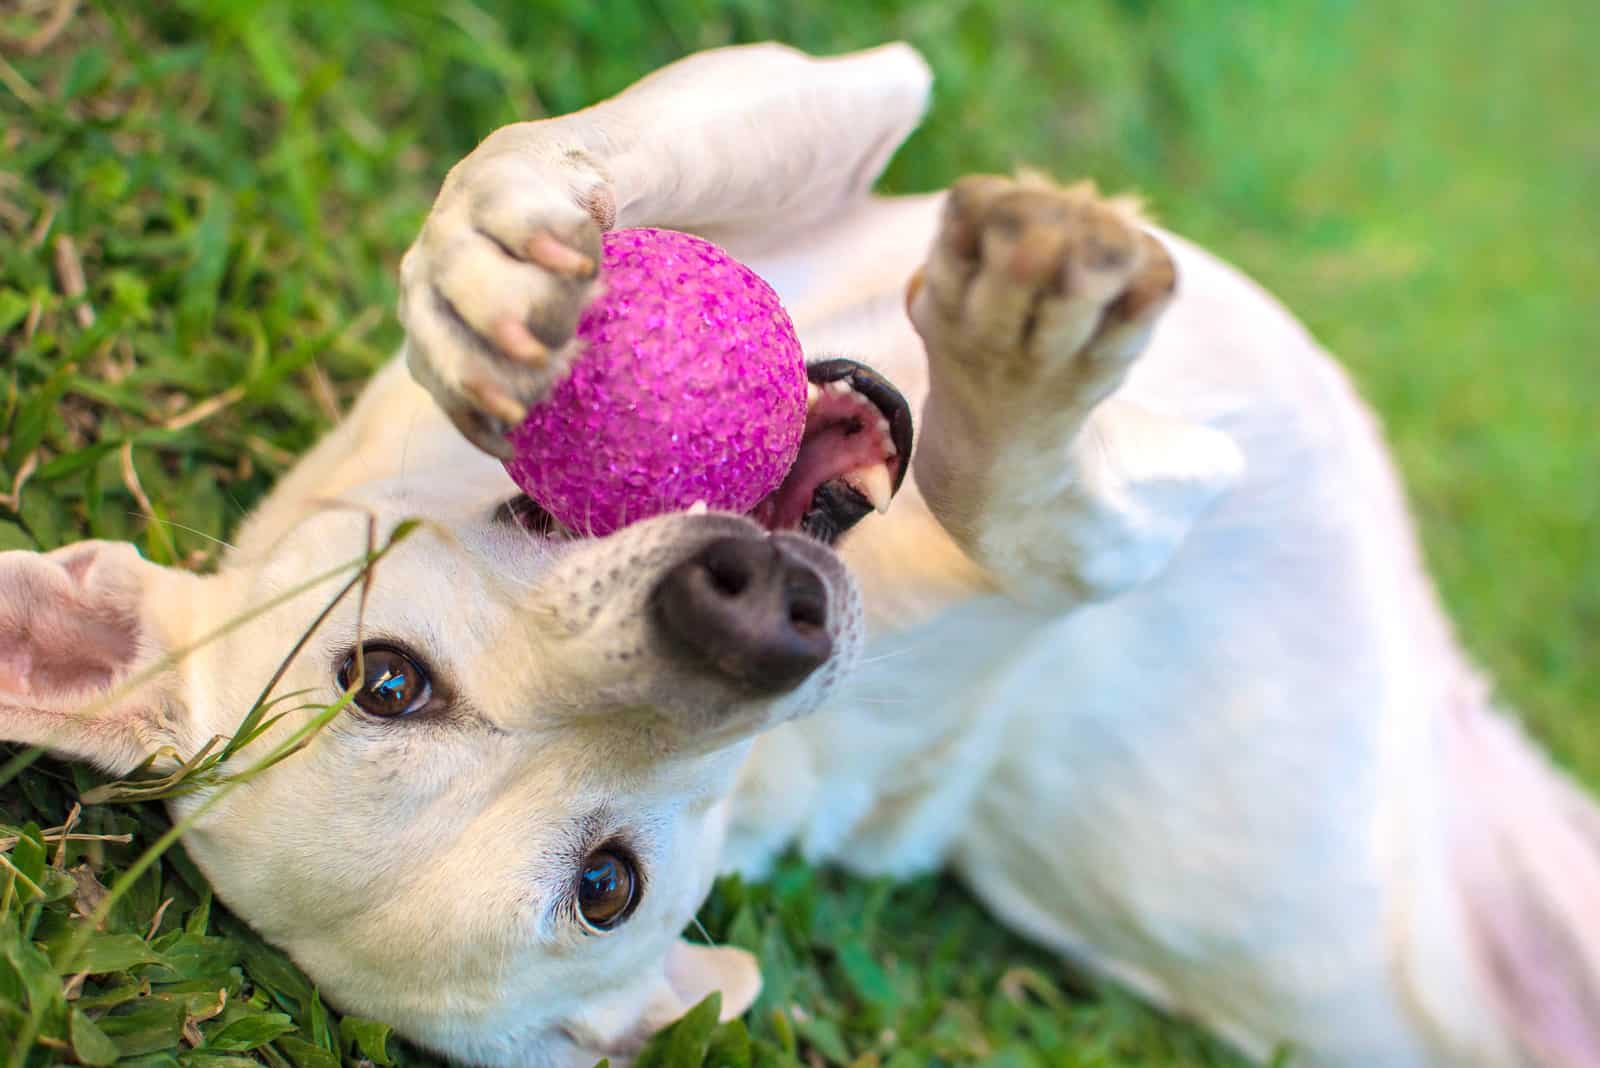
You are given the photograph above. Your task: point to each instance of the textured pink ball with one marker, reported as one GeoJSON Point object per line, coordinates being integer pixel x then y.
{"type": "Point", "coordinates": [690, 387]}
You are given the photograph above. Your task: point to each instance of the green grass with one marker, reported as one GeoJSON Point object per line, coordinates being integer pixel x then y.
{"type": "Point", "coordinates": [1415, 180]}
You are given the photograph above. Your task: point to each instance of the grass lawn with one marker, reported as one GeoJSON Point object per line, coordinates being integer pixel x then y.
{"type": "Point", "coordinates": [238, 182]}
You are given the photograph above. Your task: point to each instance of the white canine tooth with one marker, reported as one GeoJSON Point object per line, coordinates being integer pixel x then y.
{"type": "Point", "coordinates": [839, 387]}
{"type": "Point", "coordinates": [699, 508]}
{"type": "Point", "coordinates": [873, 483]}
{"type": "Point", "coordinates": [813, 391]}
{"type": "Point", "coordinates": [883, 426]}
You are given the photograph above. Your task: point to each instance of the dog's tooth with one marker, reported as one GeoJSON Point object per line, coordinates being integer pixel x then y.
{"type": "Point", "coordinates": [839, 387]}
{"type": "Point", "coordinates": [874, 483]}
{"type": "Point", "coordinates": [699, 508]}
{"type": "Point", "coordinates": [886, 435]}
{"type": "Point", "coordinates": [813, 393]}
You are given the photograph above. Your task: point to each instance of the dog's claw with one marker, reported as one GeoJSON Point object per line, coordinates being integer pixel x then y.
{"type": "Point", "coordinates": [517, 341]}
{"type": "Point", "coordinates": [484, 431]}
{"type": "Point", "coordinates": [494, 401]}
{"type": "Point", "coordinates": [550, 253]}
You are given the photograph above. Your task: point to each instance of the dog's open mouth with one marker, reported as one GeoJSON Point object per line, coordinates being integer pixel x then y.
{"type": "Point", "coordinates": [853, 458]}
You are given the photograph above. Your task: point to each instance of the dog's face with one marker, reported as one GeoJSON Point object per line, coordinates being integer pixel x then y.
{"type": "Point", "coordinates": [502, 843]}
{"type": "Point", "coordinates": [496, 846]}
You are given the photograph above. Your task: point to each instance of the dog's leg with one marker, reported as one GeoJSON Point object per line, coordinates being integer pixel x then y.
{"type": "Point", "coordinates": [760, 137]}
{"type": "Point", "coordinates": [738, 142]}
{"type": "Point", "coordinates": [1033, 304]}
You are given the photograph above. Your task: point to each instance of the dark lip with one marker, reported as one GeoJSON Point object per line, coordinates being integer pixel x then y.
{"type": "Point", "coordinates": [835, 509]}
{"type": "Point", "coordinates": [881, 392]}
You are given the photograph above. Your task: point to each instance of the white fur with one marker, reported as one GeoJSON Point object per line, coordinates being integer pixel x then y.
{"type": "Point", "coordinates": [1172, 693]}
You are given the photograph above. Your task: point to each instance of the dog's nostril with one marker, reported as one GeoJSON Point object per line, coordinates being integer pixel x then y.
{"type": "Point", "coordinates": [744, 609]}
{"type": "Point", "coordinates": [805, 615]}
{"type": "Point", "coordinates": [808, 607]}
{"type": "Point", "coordinates": [728, 568]}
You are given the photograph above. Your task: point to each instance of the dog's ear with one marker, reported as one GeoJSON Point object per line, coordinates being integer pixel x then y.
{"type": "Point", "coordinates": [81, 646]}
{"type": "Point", "coordinates": [693, 972]}
{"type": "Point", "coordinates": [689, 975]}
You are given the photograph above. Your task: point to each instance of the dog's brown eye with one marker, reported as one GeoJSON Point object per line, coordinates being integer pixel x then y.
{"type": "Point", "coordinates": [607, 887]}
{"type": "Point", "coordinates": [393, 684]}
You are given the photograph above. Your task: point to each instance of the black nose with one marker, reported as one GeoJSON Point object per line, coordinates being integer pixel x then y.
{"type": "Point", "coordinates": [749, 611]}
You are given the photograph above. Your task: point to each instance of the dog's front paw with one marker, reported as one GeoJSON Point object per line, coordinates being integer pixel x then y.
{"type": "Point", "coordinates": [1035, 292]}
{"type": "Point", "coordinates": [492, 289]}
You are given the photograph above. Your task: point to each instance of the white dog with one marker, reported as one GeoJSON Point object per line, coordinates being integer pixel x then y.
{"type": "Point", "coordinates": [1151, 660]}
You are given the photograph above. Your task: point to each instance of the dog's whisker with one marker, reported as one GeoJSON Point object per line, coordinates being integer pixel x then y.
{"type": "Point", "coordinates": [893, 654]}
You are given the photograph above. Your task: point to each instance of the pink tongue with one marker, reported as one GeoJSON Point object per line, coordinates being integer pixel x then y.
{"type": "Point", "coordinates": [824, 454]}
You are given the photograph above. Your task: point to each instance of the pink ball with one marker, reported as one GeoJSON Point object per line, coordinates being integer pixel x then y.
{"type": "Point", "coordinates": [690, 387]}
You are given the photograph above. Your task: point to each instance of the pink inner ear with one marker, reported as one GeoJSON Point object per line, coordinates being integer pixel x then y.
{"type": "Point", "coordinates": [62, 634]}
{"type": "Point", "coordinates": [73, 630]}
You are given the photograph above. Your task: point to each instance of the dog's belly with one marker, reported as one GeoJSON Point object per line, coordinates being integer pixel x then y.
{"type": "Point", "coordinates": [1102, 799]}
{"type": "Point", "coordinates": [1202, 832]}
{"type": "Point", "coordinates": [1135, 786]}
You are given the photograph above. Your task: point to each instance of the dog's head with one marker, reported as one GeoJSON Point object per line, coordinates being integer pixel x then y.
{"type": "Point", "coordinates": [496, 847]}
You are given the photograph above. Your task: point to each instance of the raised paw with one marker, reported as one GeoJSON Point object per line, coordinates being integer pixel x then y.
{"type": "Point", "coordinates": [492, 289]}
{"type": "Point", "coordinates": [1036, 289]}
